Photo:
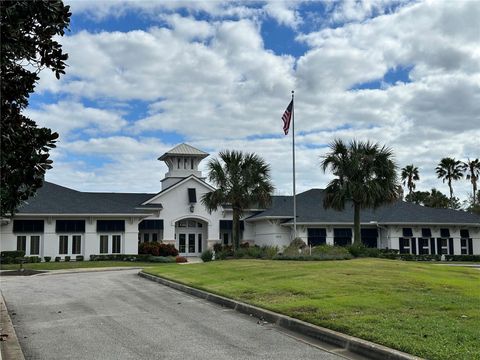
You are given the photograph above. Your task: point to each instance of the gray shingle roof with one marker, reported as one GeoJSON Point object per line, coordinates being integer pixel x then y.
{"type": "Point", "coordinates": [184, 149]}
{"type": "Point", "coordinates": [310, 210]}
{"type": "Point", "coordinates": [56, 199]}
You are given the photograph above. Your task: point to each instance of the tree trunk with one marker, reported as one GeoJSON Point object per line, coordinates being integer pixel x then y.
{"type": "Point", "coordinates": [451, 190]}
{"type": "Point", "coordinates": [236, 229]}
{"type": "Point", "coordinates": [357, 240]}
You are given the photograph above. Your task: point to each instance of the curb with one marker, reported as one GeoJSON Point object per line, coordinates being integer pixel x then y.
{"type": "Point", "coordinates": [347, 342]}
{"type": "Point", "coordinates": [10, 347]}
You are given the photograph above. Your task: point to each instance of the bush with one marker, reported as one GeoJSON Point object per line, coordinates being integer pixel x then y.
{"type": "Point", "coordinates": [79, 258]}
{"type": "Point", "coordinates": [47, 258]}
{"type": "Point", "coordinates": [7, 260]}
{"type": "Point", "coordinates": [462, 258]}
{"type": "Point", "coordinates": [181, 259]}
{"type": "Point", "coordinates": [327, 249]}
{"type": "Point", "coordinates": [157, 249]}
{"type": "Point", "coordinates": [217, 247]}
{"type": "Point", "coordinates": [67, 258]}
{"type": "Point", "coordinates": [221, 255]}
{"type": "Point", "coordinates": [20, 260]}
{"type": "Point", "coordinates": [206, 256]}
{"type": "Point", "coordinates": [12, 254]}
{"type": "Point", "coordinates": [269, 252]}
{"type": "Point", "coordinates": [162, 259]}
{"type": "Point", "coordinates": [245, 245]}
{"type": "Point", "coordinates": [33, 259]}
{"type": "Point", "coordinates": [57, 258]}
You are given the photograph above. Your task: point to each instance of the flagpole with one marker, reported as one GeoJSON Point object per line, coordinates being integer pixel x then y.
{"type": "Point", "coordinates": [293, 162]}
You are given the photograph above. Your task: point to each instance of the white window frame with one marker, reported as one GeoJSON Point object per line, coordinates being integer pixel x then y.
{"type": "Point", "coordinates": [409, 246]}
{"type": "Point", "coordinates": [70, 244]}
{"type": "Point", "coordinates": [110, 243]}
{"type": "Point", "coordinates": [444, 247]}
{"type": "Point", "coordinates": [427, 247]}
{"type": "Point", "coordinates": [464, 248]}
{"type": "Point", "coordinates": [28, 242]}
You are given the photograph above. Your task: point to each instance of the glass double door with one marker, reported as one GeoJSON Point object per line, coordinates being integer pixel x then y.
{"type": "Point", "coordinates": [190, 243]}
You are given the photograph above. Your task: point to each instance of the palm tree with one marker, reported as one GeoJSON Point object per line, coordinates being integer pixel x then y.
{"type": "Point", "coordinates": [365, 174]}
{"type": "Point", "coordinates": [449, 169]}
{"type": "Point", "coordinates": [472, 168]}
{"type": "Point", "coordinates": [409, 176]}
{"type": "Point", "coordinates": [242, 180]}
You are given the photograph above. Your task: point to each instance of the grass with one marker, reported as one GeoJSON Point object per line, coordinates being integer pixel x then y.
{"type": "Point", "coordinates": [423, 309]}
{"type": "Point", "coordinates": [73, 265]}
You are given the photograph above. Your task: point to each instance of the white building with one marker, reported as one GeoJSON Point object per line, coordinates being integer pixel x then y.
{"type": "Point", "coordinates": [63, 222]}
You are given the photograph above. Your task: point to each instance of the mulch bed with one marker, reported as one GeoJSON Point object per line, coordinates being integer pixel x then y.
{"type": "Point", "coordinates": [25, 272]}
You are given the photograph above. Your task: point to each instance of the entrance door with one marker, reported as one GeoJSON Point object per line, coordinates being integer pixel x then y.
{"type": "Point", "coordinates": [189, 244]}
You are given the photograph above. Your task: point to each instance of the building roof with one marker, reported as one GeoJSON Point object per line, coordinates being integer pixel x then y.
{"type": "Point", "coordinates": [184, 150]}
{"type": "Point", "coordinates": [56, 199]}
{"type": "Point", "coordinates": [310, 211]}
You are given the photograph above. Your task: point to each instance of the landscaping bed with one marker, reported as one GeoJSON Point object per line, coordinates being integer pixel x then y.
{"type": "Point", "coordinates": [422, 309]}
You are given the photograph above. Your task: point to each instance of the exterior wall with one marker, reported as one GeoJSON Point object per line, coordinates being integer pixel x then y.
{"type": "Point", "coordinates": [90, 239]}
{"type": "Point", "coordinates": [271, 233]}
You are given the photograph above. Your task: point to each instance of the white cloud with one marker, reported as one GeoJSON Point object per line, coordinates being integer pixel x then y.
{"type": "Point", "coordinates": [284, 13]}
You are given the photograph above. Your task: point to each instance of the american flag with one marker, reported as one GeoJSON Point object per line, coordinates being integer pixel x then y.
{"type": "Point", "coordinates": [287, 116]}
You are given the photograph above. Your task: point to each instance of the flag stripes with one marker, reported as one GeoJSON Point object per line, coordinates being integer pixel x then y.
{"type": "Point", "coordinates": [287, 117]}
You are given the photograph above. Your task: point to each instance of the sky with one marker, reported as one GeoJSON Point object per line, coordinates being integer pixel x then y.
{"type": "Point", "coordinates": [144, 76]}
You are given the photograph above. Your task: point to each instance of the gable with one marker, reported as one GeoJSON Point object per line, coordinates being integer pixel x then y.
{"type": "Point", "coordinates": [181, 190]}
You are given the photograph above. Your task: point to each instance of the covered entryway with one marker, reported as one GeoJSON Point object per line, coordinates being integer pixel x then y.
{"type": "Point", "coordinates": [191, 236]}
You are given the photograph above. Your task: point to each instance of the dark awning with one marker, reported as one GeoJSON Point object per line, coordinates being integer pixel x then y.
{"type": "Point", "coordinates": [228, 225]}
{"type": "Point", "coordinates": [70, 226]}
{"type": "Point", "coordinates": [320, 232]}
{"type": "Point", "coordinates": [28, 226]}
{"type": "Point", "coordinates": [369, 233]}
{"type": "Point", "coordinates": [110, 225]}
{"type": "Point", "coordinates": [445, 233]}
{"type": "Point", "coordinates": [426, 232]}
{"type": "Point", "coordinates": [464, 233]}
{"type": "Point", "coordinates": [407, 232]}
{"type": "Point", "coordinates": [151, 225]}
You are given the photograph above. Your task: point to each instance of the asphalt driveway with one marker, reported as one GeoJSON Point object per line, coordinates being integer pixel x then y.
{"type": "Point", "coordinates": [118, 315]}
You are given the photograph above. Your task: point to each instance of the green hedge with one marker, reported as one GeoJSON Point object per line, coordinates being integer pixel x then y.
{"type": "Point", "coordinates": [475, 258]}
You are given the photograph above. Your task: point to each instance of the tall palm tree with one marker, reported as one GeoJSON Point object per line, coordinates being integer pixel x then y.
{"type": "Point", "coordinates": [365, 174]}
{"type": "Point", "coordinates": [472, 168]}
{"type": "Point", "coordinates": [449, 170]}
{"type": "Point", "coordinates": [242, 180]}
{"type": "Point", "coordinates": [409, 176]}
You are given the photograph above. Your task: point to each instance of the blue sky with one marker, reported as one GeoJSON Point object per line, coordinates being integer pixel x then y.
{"type": "Point", "coordinates": [144, 76]}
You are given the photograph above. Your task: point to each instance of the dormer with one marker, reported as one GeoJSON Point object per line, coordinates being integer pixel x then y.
{"type": "Point", "coordinates": [182, 161]}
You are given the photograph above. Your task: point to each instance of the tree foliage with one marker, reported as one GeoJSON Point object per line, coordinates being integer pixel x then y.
{"type": "Point", "coordinates": [409, 176]}
{"type": "Point", "coordinates": [365, 175]}
{"type": "Point", "coordinates": [449, 170]}
{"type": "Point", "coordinates": [241, 180]}
{"type": "Point", "coordinates": [433, 198]}
{"type": "Point", "coordinates": [472, 170]}
{"type": "Point", "coordinates": [28, 30]}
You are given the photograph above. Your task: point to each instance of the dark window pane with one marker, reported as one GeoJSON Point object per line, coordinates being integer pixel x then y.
{"type": "Point", "coordinates": [155, 237]}
{"type": "Point", "coordinates": [316, 236]}
{"type": "Point", "coordinates": [192, 196]}
{"type": "Point", "coordinates": [146, 237]}
{"type": "Point", "coordinates": [34, 245]}
{"type": "Point", "coordinates": [76, 244]}
{"type": "Point", "coordinates": [225, 238]}
{"type": "Point", "coordinates": [199, 242]}
{"type": "Point", "coordinates": [21, 243]}
{"type": "Point", "coordinates": [116, 243]}
{"type": "Point", "coordinates": [63, 244]}
{"type": "Point", "coordinates": [103, 244]}
{"type": "Point", "coordinates": [228, 225]}
{"type": "Point", "coordinates": [181, 243]}
{"type": "Point", "coordinates": [191, 243]}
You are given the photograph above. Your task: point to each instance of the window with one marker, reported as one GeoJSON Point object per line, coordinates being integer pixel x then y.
{"type": "Point", "coordinates": [21, 243]}
{"type": "Point", "coordinates": [192, 195]}
{"type": "Point", "coordinates": [463, 246]}
{"type": "Point", "coordinates": [181, 243]}
{"type": "Point", "coordinates": [63, 244]}
{"type": "Point", "coordinates": [182, 223]}
{"type": "Point", "coordinates": [154, 237]}
{"type": "Point", "coordinates": [76, 244]}
{"type": "Point", "coordinates": [342, 237]}
{"type": "Point", "coordinates": [179, 162]}
{"type": "Point", "coordinates": [34, 245]}
{"type": "Point", "coordinates": [316, 236]}
{"type": "Point", "coordinates": [369, 237]}
{"type": "Point", "coordinates": [192, 223]}
{"type": "Point", "coordinates": [423, 246]}
{"type": "Point", "coordinates": [192, 163]}
{"type": "Point", "coordinates": [405, 246]}
{"type": "Point", "coordinates": [191, 243]}
{"type": "Point", "coordinates": [103, 244]}
{"type": "Point", "coordinates": [199, 224]}
{"type": "Point", "coordinates": [116, 240]}
{"type": "Point", "coordinates": [225, 238]}
{"type": "Point", "coordinates": [199, 243]}
{"type": "Point", "coordinates": [443, 248]}
{"type": "Point", "coordinates": [146, 237]}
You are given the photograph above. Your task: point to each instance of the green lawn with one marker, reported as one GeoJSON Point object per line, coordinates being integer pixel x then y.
{"type": "Point", "coordinates": [74, 265]}
{"type": "Point", "coordinates": [424, 309]}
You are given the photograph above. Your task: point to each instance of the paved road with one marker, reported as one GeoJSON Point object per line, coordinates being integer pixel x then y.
{"type": "Point", "coordinates": [118, 315]}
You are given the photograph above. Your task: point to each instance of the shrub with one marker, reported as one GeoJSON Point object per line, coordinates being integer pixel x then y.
{"type": "Point", "coordinates": [245, 245]}
{"type": "Point", "coordinates": [327, 249]}
{"type": "Point", "coordinates": [7, 260]}
{"type": "Point", "coordinates": [47, 258]}
{"type": "Point", "coordinates": [462, 257]}
{"type": "Point", "coordinates": [161, 259]}
{"type": "Point", "coordinates": [181, 259]}
{"type": "Point", "coordinates": [221, 255]}
{"type": "Point", "coordinates": [67, 258]}
{"type": "Point", "coordinates": [57, 258]}
{"type": "Point", "coordinates": [79, 258]}
{"type": "Point", "coordinates": [20, 260]}
{"type": "Point", "coordinates": [157, 249]}
{"type": "Point", "coordinates": [12, 254]}
{"type": "Point", "coordinates": [33, 259]}
{"type": "Point", "coordinates": [361, 250]}
{"type": "Point", "coordinates": [269, 252]}
{"type": "Point", "coordinates": [206, 256]}
{"type": "Point", "coordinates": [217, 247]}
